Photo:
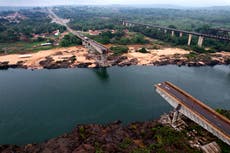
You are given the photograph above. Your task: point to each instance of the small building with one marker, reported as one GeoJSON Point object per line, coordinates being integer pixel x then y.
{"type": "Point", "coordinates": [94, 32]}
{"type": "Point", "coordinates": [56, 33]}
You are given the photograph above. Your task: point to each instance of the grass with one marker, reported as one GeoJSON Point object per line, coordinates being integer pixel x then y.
{"type": "Point", "coordinates": [126, 143]}
{"type": "Point", "coordinates": [23, 47]}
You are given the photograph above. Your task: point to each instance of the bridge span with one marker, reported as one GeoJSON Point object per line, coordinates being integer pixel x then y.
{"type": "Point", "coordinates": [87, 42]}
{"type": "Point", "coordinates": [201, 36]}
{"type": "Point", "coordinates": [195, 110]}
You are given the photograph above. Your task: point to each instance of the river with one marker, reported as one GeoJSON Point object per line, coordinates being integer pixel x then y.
{"type": "Point", "coordinates": [42, 104]}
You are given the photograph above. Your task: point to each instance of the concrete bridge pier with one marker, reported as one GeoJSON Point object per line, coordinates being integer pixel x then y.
{"type": "Point", "coordinates": [189, 39]}
{"type": "Point", "coordinates": [103, 61]}
{"type": "Point", "coordinates": [165, 31]}
{"type": "Point", "coordinates": [86, 44]}
{"type": "Point", "coordinates": [173, 33]}
{"type": "Point", "coordinates": [176, 114]}
{"type": "Point", "coordinates": [181, 34]}
{"type": "Point", "coordinates": [200, 41]}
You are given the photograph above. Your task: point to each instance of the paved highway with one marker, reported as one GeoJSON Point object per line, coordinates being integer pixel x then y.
{"type": "Point", "coordinates": [209, 116]}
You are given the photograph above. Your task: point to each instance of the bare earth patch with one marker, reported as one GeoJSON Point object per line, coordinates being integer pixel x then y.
{"type": "Point", "coordinates": [153, 55]}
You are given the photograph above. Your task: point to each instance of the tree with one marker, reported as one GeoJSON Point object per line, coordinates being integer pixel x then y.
{"type": "Point", "coordinates": [172, 26]}
{"type": "Point", "coordinates": [70, 40]}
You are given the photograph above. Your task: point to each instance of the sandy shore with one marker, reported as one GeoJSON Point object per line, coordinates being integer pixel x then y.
{"type": "Point", "coordinates": [33, 59]}
{"type": "Point", "coordinates": [153, 55]}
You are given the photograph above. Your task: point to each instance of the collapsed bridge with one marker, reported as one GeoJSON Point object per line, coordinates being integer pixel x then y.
{"type": "Point", "coordinates": [195, 110]}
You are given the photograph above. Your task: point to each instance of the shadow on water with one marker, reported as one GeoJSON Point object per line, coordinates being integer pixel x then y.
{"type": "Point", "coordinates": [101, 73]}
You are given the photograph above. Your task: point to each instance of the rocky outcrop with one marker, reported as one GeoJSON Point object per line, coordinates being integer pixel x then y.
{"type": "Point", "coordinates": [123, 60]}
{"type": "Point", "coordinates": [49, 63]}
{"type": "Point", "coordinates": [5, 65]}
{"type": "Point", "coordinates": [91, 138]}
{"type": "Point", "coordinates": [84, 65]}
{"type": "Point", "coordinates": [138, 137]}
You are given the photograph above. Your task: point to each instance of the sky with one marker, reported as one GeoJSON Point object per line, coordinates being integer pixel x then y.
{"type": "Point", "coordinates": [192, 3]}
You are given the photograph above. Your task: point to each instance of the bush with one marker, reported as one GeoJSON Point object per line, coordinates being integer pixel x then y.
{"type": "Point", "coordinates": [143, 50]}
{"type": "Point", "coordinates": [198, 49]}
{"type": "Point", "coordinates": [40, 39]}
{"type": "Point", "coordinates": [119, 49]}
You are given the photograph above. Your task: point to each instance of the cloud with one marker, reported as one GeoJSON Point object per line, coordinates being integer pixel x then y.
{"type": "Point", "coordinates": [76, 2]}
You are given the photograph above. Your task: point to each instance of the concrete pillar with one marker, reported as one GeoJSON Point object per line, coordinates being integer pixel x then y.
{"type": "Point", "coordinates": [83, 43]}
{"type": "Point", "coordinates": [165, 31]}
{"type": "Point", "coordinates": [200, 41]}
{"type": "Point", "coordinates": [173, 32]}
{"type": "Point", "coordinates": [181, 34]}
{"type": "Point", "coordinates": [189, 39]}
{"type": "Point", "coordinates": [175, 116]}
{"type": "Point", "coordinates": [176, 113]}
{"type": "Point", "coordinates": [103, 60]}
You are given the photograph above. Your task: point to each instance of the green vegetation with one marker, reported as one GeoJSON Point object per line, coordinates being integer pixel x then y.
{"type": "Point", "coordinates": [120, 38]}
{"type": "Point", "coordinates": [82, 132]}
{"type": "Point", "coordinates": [141, 150]}
{"type": "Point", "coordinates": [70, 40]}
{"type": "Point", "coordinates": [97, 148]}
{"type": "Point", "coordinates": [125, 143]}
{"type": "Point", "coordinates": [166, 136]}
{"type": "Point", "coordinates": [226, 113]}
{"type": "Point", "coordinates": [23, 47]}
{"type": "Point", "coordinates": [143, 50]}
{"type": "Point", "coordinates": [119, 49]}
{"type": "Point", "coordinates": [33, 22]}
{"type": "Point", "coordinates": [165, 139]}
{"type": "Point", "coordinates": [86, 18]}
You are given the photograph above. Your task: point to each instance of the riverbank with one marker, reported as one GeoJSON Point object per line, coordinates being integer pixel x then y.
{"type": "Point", "coordinates": [79, 57]}
{"type": "Point", "coordinates": [138, 137]}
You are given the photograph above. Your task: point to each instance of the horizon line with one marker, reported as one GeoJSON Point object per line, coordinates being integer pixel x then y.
{"type": "Point", "coordinates": [136, 5]}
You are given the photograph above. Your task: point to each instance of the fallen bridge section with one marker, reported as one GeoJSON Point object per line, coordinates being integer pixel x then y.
{"type": "Point", "coordinates": [194, 109]}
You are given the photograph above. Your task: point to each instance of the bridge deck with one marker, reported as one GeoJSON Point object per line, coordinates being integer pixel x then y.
{"type": "Point", "coordinates": [209, 115]}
